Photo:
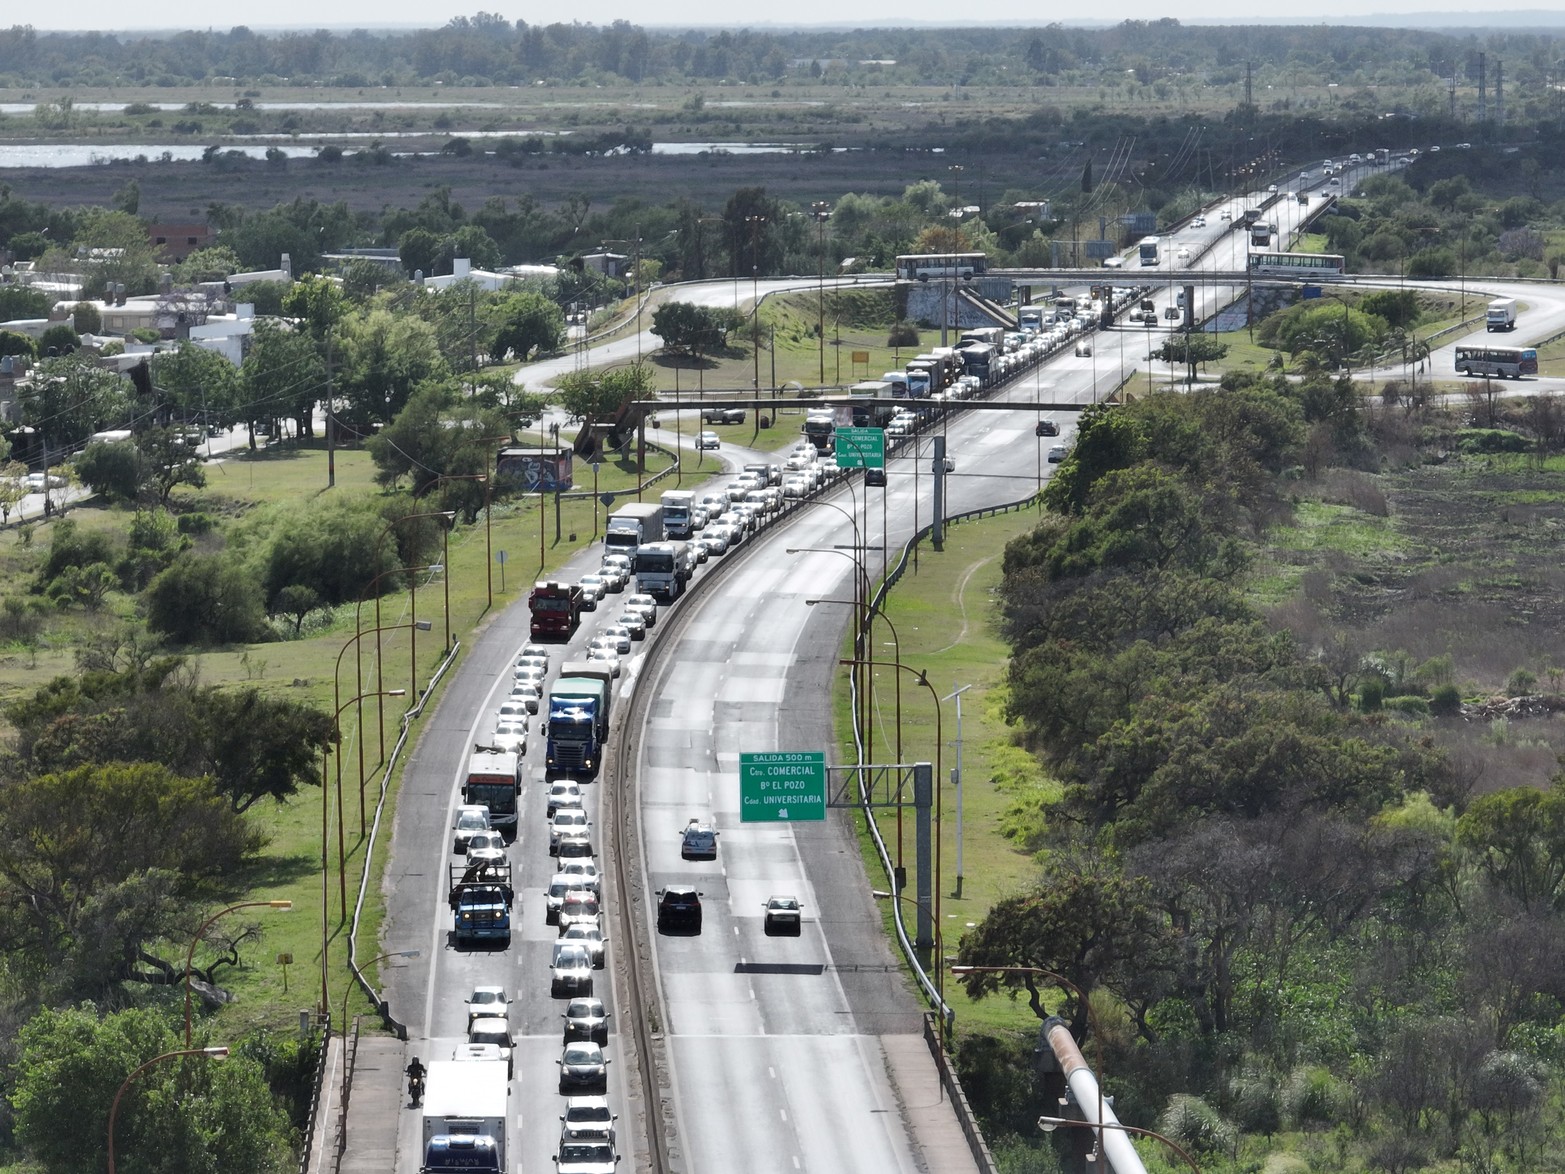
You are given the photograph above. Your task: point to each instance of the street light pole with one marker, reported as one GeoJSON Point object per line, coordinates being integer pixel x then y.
{"type": "Point", "coordinates": [190, 955]}
{"type": "Point", "coordinates": [1050, 1124]}
{"type": "Point", "coordinates": [822, 212]}
{"type": "Point", "coordinates": [326, 871]}
{"type": "Point", "coordinates": [1081, 997]}
{"type": "Point", "coordinates": [217, 1053]}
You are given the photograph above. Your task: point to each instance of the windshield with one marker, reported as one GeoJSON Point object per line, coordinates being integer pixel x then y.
{"type": "Point", "coordinates": [471, 821]}
{"type": "Point", "coordinates": [495, 796]}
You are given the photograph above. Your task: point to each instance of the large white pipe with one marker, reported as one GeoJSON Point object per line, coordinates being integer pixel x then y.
{"type": "Point", "coordinates": [1115, 1143]}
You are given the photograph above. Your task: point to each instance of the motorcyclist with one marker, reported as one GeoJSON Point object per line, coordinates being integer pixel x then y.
{"type": "Point", "coordinates": [415, 1071]}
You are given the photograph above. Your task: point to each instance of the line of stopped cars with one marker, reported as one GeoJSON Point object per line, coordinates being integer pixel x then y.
{"type": "Point", "coordinates": [587, 1142]}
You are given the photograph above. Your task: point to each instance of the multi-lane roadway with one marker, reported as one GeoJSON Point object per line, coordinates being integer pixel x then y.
{"type": "Point", "coordinates": [773, 1053]}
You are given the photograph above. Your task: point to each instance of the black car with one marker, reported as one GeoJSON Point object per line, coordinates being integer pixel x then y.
{"type": "Point", "coordinates": [1046, 428]}
{"type": "Point", "coordinates": [875, 478]}
{"type": "Point", "coordinates": [585, 1019]}
{"type": "Point", "coordinates": [679, 908]}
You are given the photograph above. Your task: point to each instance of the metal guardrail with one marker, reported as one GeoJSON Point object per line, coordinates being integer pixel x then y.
{"type": "Point", "coordinates": [317, 1085]}
{"type": "Point", "coordinates": [965, 1116]}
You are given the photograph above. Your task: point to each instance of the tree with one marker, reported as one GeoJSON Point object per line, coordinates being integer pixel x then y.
{"type": "Point", "coordinates": [257, 747]}
{"type": "Point", "coordinates": [177, 1117]}
{"type": "Point", "coordinates": [296, 601]}
{"type": "Point", "coordinates": [168, 462]}
{"type": "Point", "coordinates": [420, 251]}
{"type": "Point", "coordinates": [13, 487]}
{"type": "Point", "coordinates": [214, 263]}
{"type": "Point", "coordinates": [200, 383]}
{"type": "Point", "coordinates": [1517, 837]}
{"type": "Point", "coordinates": [693, 330]}
{"type": "Point", "coordinates": [383, 357]}
{"type": "Point", "coordinates": [284, 375]}
{"type": "Point", "coordinates": [600, 394]}
{"type": "Point", "coordinates": [206, 599]}
{"type": "Point", "coordinates": [59, 339]}
{"type": "Point", "coordinates": [334, 549]}
{"type": "Point", "coordinates": [524, 324]}
{"type": "Point", "coordinates": [23, 301]}
{"type": "Point", "coordinates": [89, 902]}
{"type": "Point", "coordinates": [438, 432]}
{"type": "Point", "coordinates": [86, 318]}
{"type": "Point", "coordinates": [69, 398]}
{"type": "Point", "coordinates": [317, 304]}
{"type": "Point", "coordinates": [1084, 921]}
{"type": "Point", "coordinates": [13, 343]}
{"type": "Point", "coordinates": [113, 469]}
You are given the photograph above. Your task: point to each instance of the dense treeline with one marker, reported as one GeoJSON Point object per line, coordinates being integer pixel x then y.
{"type": "Point", "coordinates": [1293, 916]}
{"type": "Point", "coordinates": [487, 49]}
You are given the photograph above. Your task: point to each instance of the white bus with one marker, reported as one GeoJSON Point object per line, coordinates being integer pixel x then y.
{"type": "Point", "coordinates": [1151, 250]}
{"type": "Point", "coordinates": [1309, 266]}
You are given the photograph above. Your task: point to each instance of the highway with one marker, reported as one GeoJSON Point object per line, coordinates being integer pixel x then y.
{"type": "Point", "coordinates": [774, 1045]}
{"type": "Point", "coordinates": [772, 1051]}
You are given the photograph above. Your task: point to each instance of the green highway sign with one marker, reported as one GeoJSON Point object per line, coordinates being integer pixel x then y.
{"type": "Point", "coordinates": [861, 448]}
{"type": "Point", "coordinates": [782, 786]}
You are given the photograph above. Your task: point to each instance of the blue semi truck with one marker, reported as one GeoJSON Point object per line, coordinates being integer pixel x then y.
{"type": "Point", "coordinates": [578, 723]}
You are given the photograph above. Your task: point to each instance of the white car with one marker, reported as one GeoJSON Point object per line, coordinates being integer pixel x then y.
{"type": "Point", "coordinates": [634, 623]}
{"type": "Point", "coordinates": [620, 634]}
{"type": "Point", "coordinates": [1198, 222]}
{"type": "Point", "coordinates": [541, 663]}
{"type": "Point", "coordinates": [568, 821]}
{"type": "Point", "coordinates": [487, 1002]}
{"type": "Point", "coordinates": [510, 736]}
{"type": "Point", "coordinates": [470, 819]}
{"type": "Point", "coordinates": [562, 793]}
{"type": "Point", "coordinates": [510, 711]}
{"type": "Point", "coordinates": [708, 440]}
{"type": "Point", "coordinates": [645, 604]}
{"type": "Point", "coordinates": [529, 672]}
{"type": "Point", "coordinates": [607, 655]}
{"type": "Point", "coordinates": [572, 968]}
{"type": "Point", "coordinates": [486, 848]}
{"type": "Point", "coordinates": [588, 935]}
{"type": "Point", "coordinates": [614, 576]}
{"type": "Point", "coordinates": [583, 873]}
{"type": "Point", "coordinates": [526, 694]}
{"type": "Point", "coordinates": [698, 841]}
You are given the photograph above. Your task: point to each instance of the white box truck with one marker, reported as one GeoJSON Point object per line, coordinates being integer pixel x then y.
{"type": "Point", "coordinates": [1501, 315]}
{"type": "Point", "coordinates": [677, 507]}
{"type": "Point", "coordinates": [630, 526]}
{"type": "Point", "coordinates": [464, 1099]}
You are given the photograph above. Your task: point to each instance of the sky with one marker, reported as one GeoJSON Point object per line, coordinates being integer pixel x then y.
{"type": "Point", "coordinates": [348, 14]}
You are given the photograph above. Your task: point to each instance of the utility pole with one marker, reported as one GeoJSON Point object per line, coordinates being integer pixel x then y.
{"type": "Point", "coordinates": [956, 779]}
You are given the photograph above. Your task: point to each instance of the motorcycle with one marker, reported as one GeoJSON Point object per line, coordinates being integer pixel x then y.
{"type": "Point", "coordinates": [416, 1089]}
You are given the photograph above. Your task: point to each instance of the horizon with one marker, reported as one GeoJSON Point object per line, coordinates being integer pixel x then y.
{"type": "Point", "coordinates": [100, 16]}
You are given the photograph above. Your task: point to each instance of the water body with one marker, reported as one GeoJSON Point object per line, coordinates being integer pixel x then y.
{"type": "Point", "coordinates": [101, 154]}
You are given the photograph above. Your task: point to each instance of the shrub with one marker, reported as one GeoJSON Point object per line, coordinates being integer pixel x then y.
{"type": "Point", "coordinates": [1408, 705]}
{"type": "Point", "coordinates": [1521, 683]}
{"type": "Point", "coordinates": [1486, 440]}
{"type": "Point", "coordinates": [903, 334]}
{"type": "Point", "coordinates": [1446, 701]}
{"type": "Point", "coordinates": [1311, 1096]}
{"type": "Point", "coordinates": [1372, 694]}
{"type": "Point", "coordinates": [1195, 1125]}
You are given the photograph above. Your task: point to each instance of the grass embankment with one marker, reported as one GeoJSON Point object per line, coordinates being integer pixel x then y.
{"type": "Point", "coordinates": [946, 620]}
{"type": "Point", "coordinates": [321, 669]}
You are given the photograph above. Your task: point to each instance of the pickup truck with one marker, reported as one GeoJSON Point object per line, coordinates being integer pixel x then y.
{"type": "Point", "coordinates": [722, 415]}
